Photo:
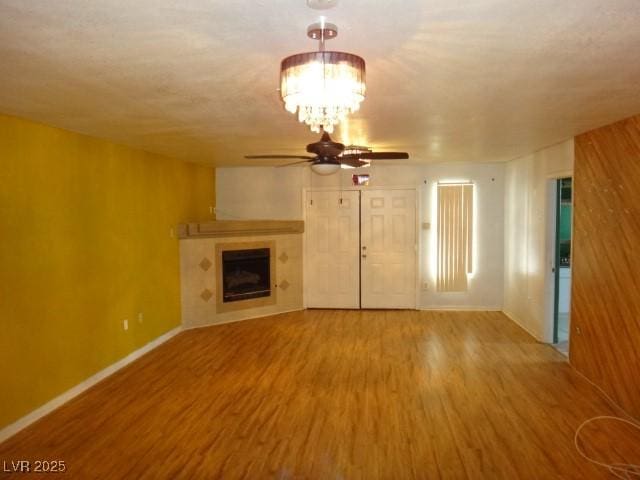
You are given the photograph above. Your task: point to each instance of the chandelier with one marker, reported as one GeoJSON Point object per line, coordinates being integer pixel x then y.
{"type": "Point", "coordinates": [322, 87]}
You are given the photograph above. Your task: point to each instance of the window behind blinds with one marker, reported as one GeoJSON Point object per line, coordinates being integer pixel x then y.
{"type": "Point", "coordinates": [455, 232]}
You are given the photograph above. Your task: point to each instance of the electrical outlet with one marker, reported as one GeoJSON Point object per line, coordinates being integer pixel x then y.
{"type": "Point", "coordinates": [172, 234]}
{"type": "Point", "coordinates": [125, 324]}
{"type": "Point", "coordinates": [140, 317]}
{"type": "Point", "coordinates": [425, 286]}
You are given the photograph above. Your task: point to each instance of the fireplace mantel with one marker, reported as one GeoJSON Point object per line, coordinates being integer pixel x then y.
{"type": "Point", "coordinates": [239, 228]}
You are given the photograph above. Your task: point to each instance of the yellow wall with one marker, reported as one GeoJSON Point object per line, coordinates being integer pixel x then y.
{"type": "Point", "coordinates": [85, 243]}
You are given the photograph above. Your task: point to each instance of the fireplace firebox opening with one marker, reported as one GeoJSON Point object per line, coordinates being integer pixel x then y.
{"type": "Point", "coordinates": [245, 274]}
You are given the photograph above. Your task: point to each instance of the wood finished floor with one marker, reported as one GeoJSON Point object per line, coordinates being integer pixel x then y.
{"type": "Point", "coordinates": [334, 395]}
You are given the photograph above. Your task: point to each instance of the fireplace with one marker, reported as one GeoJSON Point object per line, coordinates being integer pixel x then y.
{"type": "Point", "coordinates": [245, 274]}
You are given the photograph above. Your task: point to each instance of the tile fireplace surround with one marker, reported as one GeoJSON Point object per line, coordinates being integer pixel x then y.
{"type": "Point", "coordinates": [201, 246]}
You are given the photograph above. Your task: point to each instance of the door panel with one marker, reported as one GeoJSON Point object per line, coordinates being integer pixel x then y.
{"type": "Point", "coordinates": [388, 250]}
{"type": "Point", "coordinates": [332, 250]}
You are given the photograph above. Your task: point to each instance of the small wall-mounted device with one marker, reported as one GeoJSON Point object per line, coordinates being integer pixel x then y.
{"type": "Point", "coordinates": [361, 179]}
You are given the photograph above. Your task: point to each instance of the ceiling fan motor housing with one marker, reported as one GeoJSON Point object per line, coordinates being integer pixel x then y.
{"type": "Point", "coordinates": [325, 147]}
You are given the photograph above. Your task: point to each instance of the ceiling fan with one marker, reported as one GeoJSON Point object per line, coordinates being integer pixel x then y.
{"type": "Point", "coordinates": [330, 156]}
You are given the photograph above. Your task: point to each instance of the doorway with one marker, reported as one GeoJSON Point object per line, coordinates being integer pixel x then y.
{"type": "Point", "coordinates": [562, 264]}
{"type": "Point", "coordinates": [360, 248]}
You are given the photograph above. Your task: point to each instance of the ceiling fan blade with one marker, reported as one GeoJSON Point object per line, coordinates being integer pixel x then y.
{"type": "Point", "coordinates": [305, 157]}
{"type": "Point", "coordinates": [295, 163]}
{"type": "Point", "coordinates": [352, 160]}
{"type": "Point", "coordinates": [383, 155]}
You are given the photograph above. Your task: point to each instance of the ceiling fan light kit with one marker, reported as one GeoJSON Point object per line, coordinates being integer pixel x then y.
{"type": "Point", "coordinates": [325, 168]}
{"type": "Point", "coordinates": [322, 87]}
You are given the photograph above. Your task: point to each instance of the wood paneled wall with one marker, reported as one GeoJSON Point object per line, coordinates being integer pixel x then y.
{"type": "Point", "coordinates": [605, 328]}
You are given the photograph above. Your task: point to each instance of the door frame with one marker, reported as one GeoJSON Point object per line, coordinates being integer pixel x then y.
{"type": "Point", "coordinates": [552, 273]}
{"type": "Point", "coordinates": [556, 260]}
{"type": "Point", "coordinates": [417, 239]}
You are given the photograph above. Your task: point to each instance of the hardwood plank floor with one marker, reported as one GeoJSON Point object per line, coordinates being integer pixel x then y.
{"type": "Point", "coordinates": [335, 395]}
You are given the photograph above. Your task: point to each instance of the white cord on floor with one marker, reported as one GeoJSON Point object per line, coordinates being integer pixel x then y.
{"type": "Point", "coordinates": [625, 471]}
{"type": "Point", "coordinates": [620, 470]}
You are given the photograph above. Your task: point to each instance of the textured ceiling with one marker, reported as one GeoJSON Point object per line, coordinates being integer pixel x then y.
{"type": "Point", "coordinates": [470, 80]}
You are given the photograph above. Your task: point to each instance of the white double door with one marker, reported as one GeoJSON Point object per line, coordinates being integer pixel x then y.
{"type": "Point", "coordinates": [360, 249]}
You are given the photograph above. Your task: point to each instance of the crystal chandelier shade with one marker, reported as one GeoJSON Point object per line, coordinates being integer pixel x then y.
{"type": "Point", "coordinates": [322, 87]}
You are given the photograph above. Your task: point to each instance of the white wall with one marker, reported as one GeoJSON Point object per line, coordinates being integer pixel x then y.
{"type": "Point", "coordinates": [527, 263]}
{"type": "Point", "coordinates": [276, 193]}
{"type": "Point", "coordinates": [259, 193]}
{"type": "Point", "coordinates": [485, 289]}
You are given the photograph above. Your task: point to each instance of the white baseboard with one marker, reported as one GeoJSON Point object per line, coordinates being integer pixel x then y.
{"type": "Point", "coordinates": [517, 321]}
{"type": "Point", "coordinates": [51, 405]}
{"type": "Point", "coordinates": [463, 308]}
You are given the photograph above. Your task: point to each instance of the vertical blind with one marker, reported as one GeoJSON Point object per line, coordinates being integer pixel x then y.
{"type": "Point", "coordinates": [455, 236]}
